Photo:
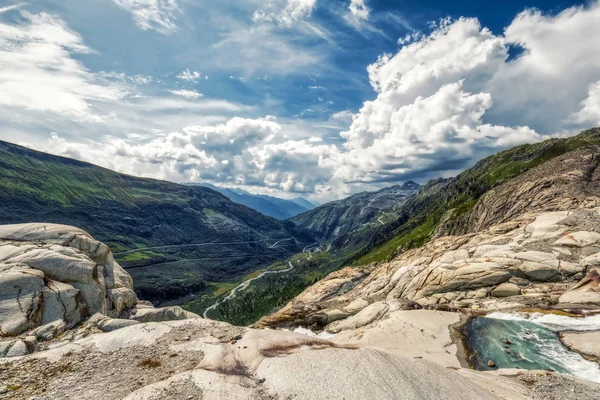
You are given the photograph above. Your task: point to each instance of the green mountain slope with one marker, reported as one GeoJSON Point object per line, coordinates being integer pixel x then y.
{"type": "Point", "coordinates": [435, 208]}
{"type": "Point", "coordinates": [176, 241]}
{"type": "Point", "coordinates": [360, 212]}
{"type": "Point", "coordinates": [440, 207]}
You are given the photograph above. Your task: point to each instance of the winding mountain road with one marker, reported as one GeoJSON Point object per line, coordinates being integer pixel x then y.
{"type": "Point", "coordinates": [170, 246]}
{"type": "Point", "coordinates": [243, 286]}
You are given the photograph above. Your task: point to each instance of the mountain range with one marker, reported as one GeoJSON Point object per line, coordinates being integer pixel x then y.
{"type": "Point", "coordinates": [491, 279]}
{"type": "Point", "coordinates": [192, 245]}
{"type": "Point", "coordinates": [275, 207]}
{"type": "Point", "coordinates": [439, 208]}
{"type": "Point", "coordinates": [175, 240]}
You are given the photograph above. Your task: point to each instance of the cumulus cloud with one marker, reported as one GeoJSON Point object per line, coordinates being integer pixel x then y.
{"type": "Point", "coordinates": [552, 77]}
{"type": "Point", "coordinates": [39, 70]}
{"type": "Point", "coordinates": [451, 97]}
{"type": "Point", "coordinates": [158, 15]}
{"type": "Point", "coordinates": [188, 94]}
{"type": "Point", "coordinates": [442, 101]}
{"type": "Point", "coordinates": [589, 114]}
{"type": "Point", "coordinates": [242, 152]}
{"type": "Point", "coordinates": [437, 133]}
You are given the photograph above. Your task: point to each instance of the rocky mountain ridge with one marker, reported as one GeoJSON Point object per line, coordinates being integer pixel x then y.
{"type": "Point", "coordinates": [336, 219]}
{"type": "Point", "coordinates": [532, 242]}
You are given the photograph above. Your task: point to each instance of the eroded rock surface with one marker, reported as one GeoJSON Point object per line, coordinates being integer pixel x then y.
{"type": "Point", "coordinates": [534, 261]}
{"type": "Point", "coordinates": [410, 355]}
{"type": "Point", "coordinates": [53, 272]}
{"type": "Point", "coordinates": [53, 278]}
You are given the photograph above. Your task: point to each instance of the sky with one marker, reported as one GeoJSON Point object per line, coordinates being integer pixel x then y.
{"type": "Point", "coordinates": [312, 98]}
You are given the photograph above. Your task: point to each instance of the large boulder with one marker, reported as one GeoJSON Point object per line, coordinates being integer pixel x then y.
{"type": "Point", "coordinates": [587, 343]}
{"type": "Point", "coordinates": [506, 290]}
{"type": "Point", "coordinates": [587, 291]}
{"type": "Point", "coordinates": [174, 313]}
{"type": "Point", "coordinates": [54, 273]}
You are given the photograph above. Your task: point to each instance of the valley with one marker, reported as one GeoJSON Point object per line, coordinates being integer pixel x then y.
{"type": "Point", "coordinates": [490, 278]}
{"type": "Point", "coordinates": [299, 200]}
{"type": "Point", "coordinates": [175, 240]}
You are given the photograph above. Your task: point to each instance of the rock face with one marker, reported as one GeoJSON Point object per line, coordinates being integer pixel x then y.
{"type": "Point", "coordinates": [586, 343]}
{"type": "Point", "coordinates": [526, 243]}
{"type": "Point", "coordinates": [55, 277]}
{"type": "Point", "coordinates": [506, 290]}
{"type": "Point", "coordinates": [338, 218]}
{"type": "Point", "coordinates": [567, 182]}
{"type": "Point", "coordinates": [54, 273]}
{"type": "Point", "coordinates": [523, 263]}
{"type": "Point", "coordinates": [409, 355]}
{"type": "Point", "coordinates": [202, 359]}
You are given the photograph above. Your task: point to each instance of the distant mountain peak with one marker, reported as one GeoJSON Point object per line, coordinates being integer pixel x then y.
{"type": "Point", "coordinates": [275, 207]}
{"type": "Point", "coordinates": [411, 185]}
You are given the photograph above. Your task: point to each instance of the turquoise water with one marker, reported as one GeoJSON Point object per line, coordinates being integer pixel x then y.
{"type": "Point", "coordinates": [529, 342]}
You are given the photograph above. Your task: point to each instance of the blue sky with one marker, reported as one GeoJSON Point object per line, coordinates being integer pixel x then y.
{"type": "Point", "coordinates": [321, 98]}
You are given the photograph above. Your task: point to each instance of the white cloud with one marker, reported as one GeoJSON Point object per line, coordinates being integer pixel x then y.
{"type": "Point", "coordinates": [436, 133]}
{"type": "Point", "coordinates": [242, 151]}
{"type": "Point", "coordinates": [11, 7]}
{"type": "Point", "coordinates": [410, 37]}
{"type": "Point", "coordinates": [258, 49]}
{"type": "Point", "coordinates": [39, 71]}
{"type": "Point", "coordinates": [293, 11]}
{"type": "Point", "coordinates": [358, 10]}
{"type": "Point", "coordinates": [552, 77]}
{"type": "Point", "coordinates": [589, 114]}
{"type": "Point", "coordinates": [158, 15]}
{"type": "Point", "coordinates": [449, 98]}
{"type": "Point", "coordinates": [121, 76]}
{"type": "Point", "coordinates": [188, 94]}
{"type": "Point", "coordinates": [190, 76]}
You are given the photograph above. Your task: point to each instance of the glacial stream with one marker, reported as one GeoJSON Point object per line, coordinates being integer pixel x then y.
{"type": "Point", "coordinates": [529, 341]}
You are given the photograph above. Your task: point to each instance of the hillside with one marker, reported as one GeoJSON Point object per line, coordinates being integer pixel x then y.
{"type": "Point", "coordinates": [71, 328]}
{"type": "Point", "coordinates": [532, 243]}
{"type": "Point", "coordinates": [175, 240]}
{"type": "Point", "coordinates": [442, 206]}
{"type": "Point", "coordinates": [360, 211]}
{"type": "Point", "coordinates": [275, 207]}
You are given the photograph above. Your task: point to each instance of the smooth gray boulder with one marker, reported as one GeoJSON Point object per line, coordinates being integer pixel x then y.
{"type": "Point", "coordinates": [50, 331]}
{"type": "Point", "coordinates": [173, 313]}
{"type": "Point", "coordinates": [52, 272]}
{"type": "Point", "coordinates": [506, 290]}
{"type": "Point", "coordinates": [19, 348]}
{"type": "Point", "coordinates": [113, 324]}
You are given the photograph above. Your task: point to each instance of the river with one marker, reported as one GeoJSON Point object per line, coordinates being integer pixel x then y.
{"type": "Point", "coordinates": [529, 341]}
{"type": "Point", "coordinates": [243, 286]}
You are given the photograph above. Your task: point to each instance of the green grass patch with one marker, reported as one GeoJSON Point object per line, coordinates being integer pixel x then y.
{"type": "Point", "coordinates": [140, 255]}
